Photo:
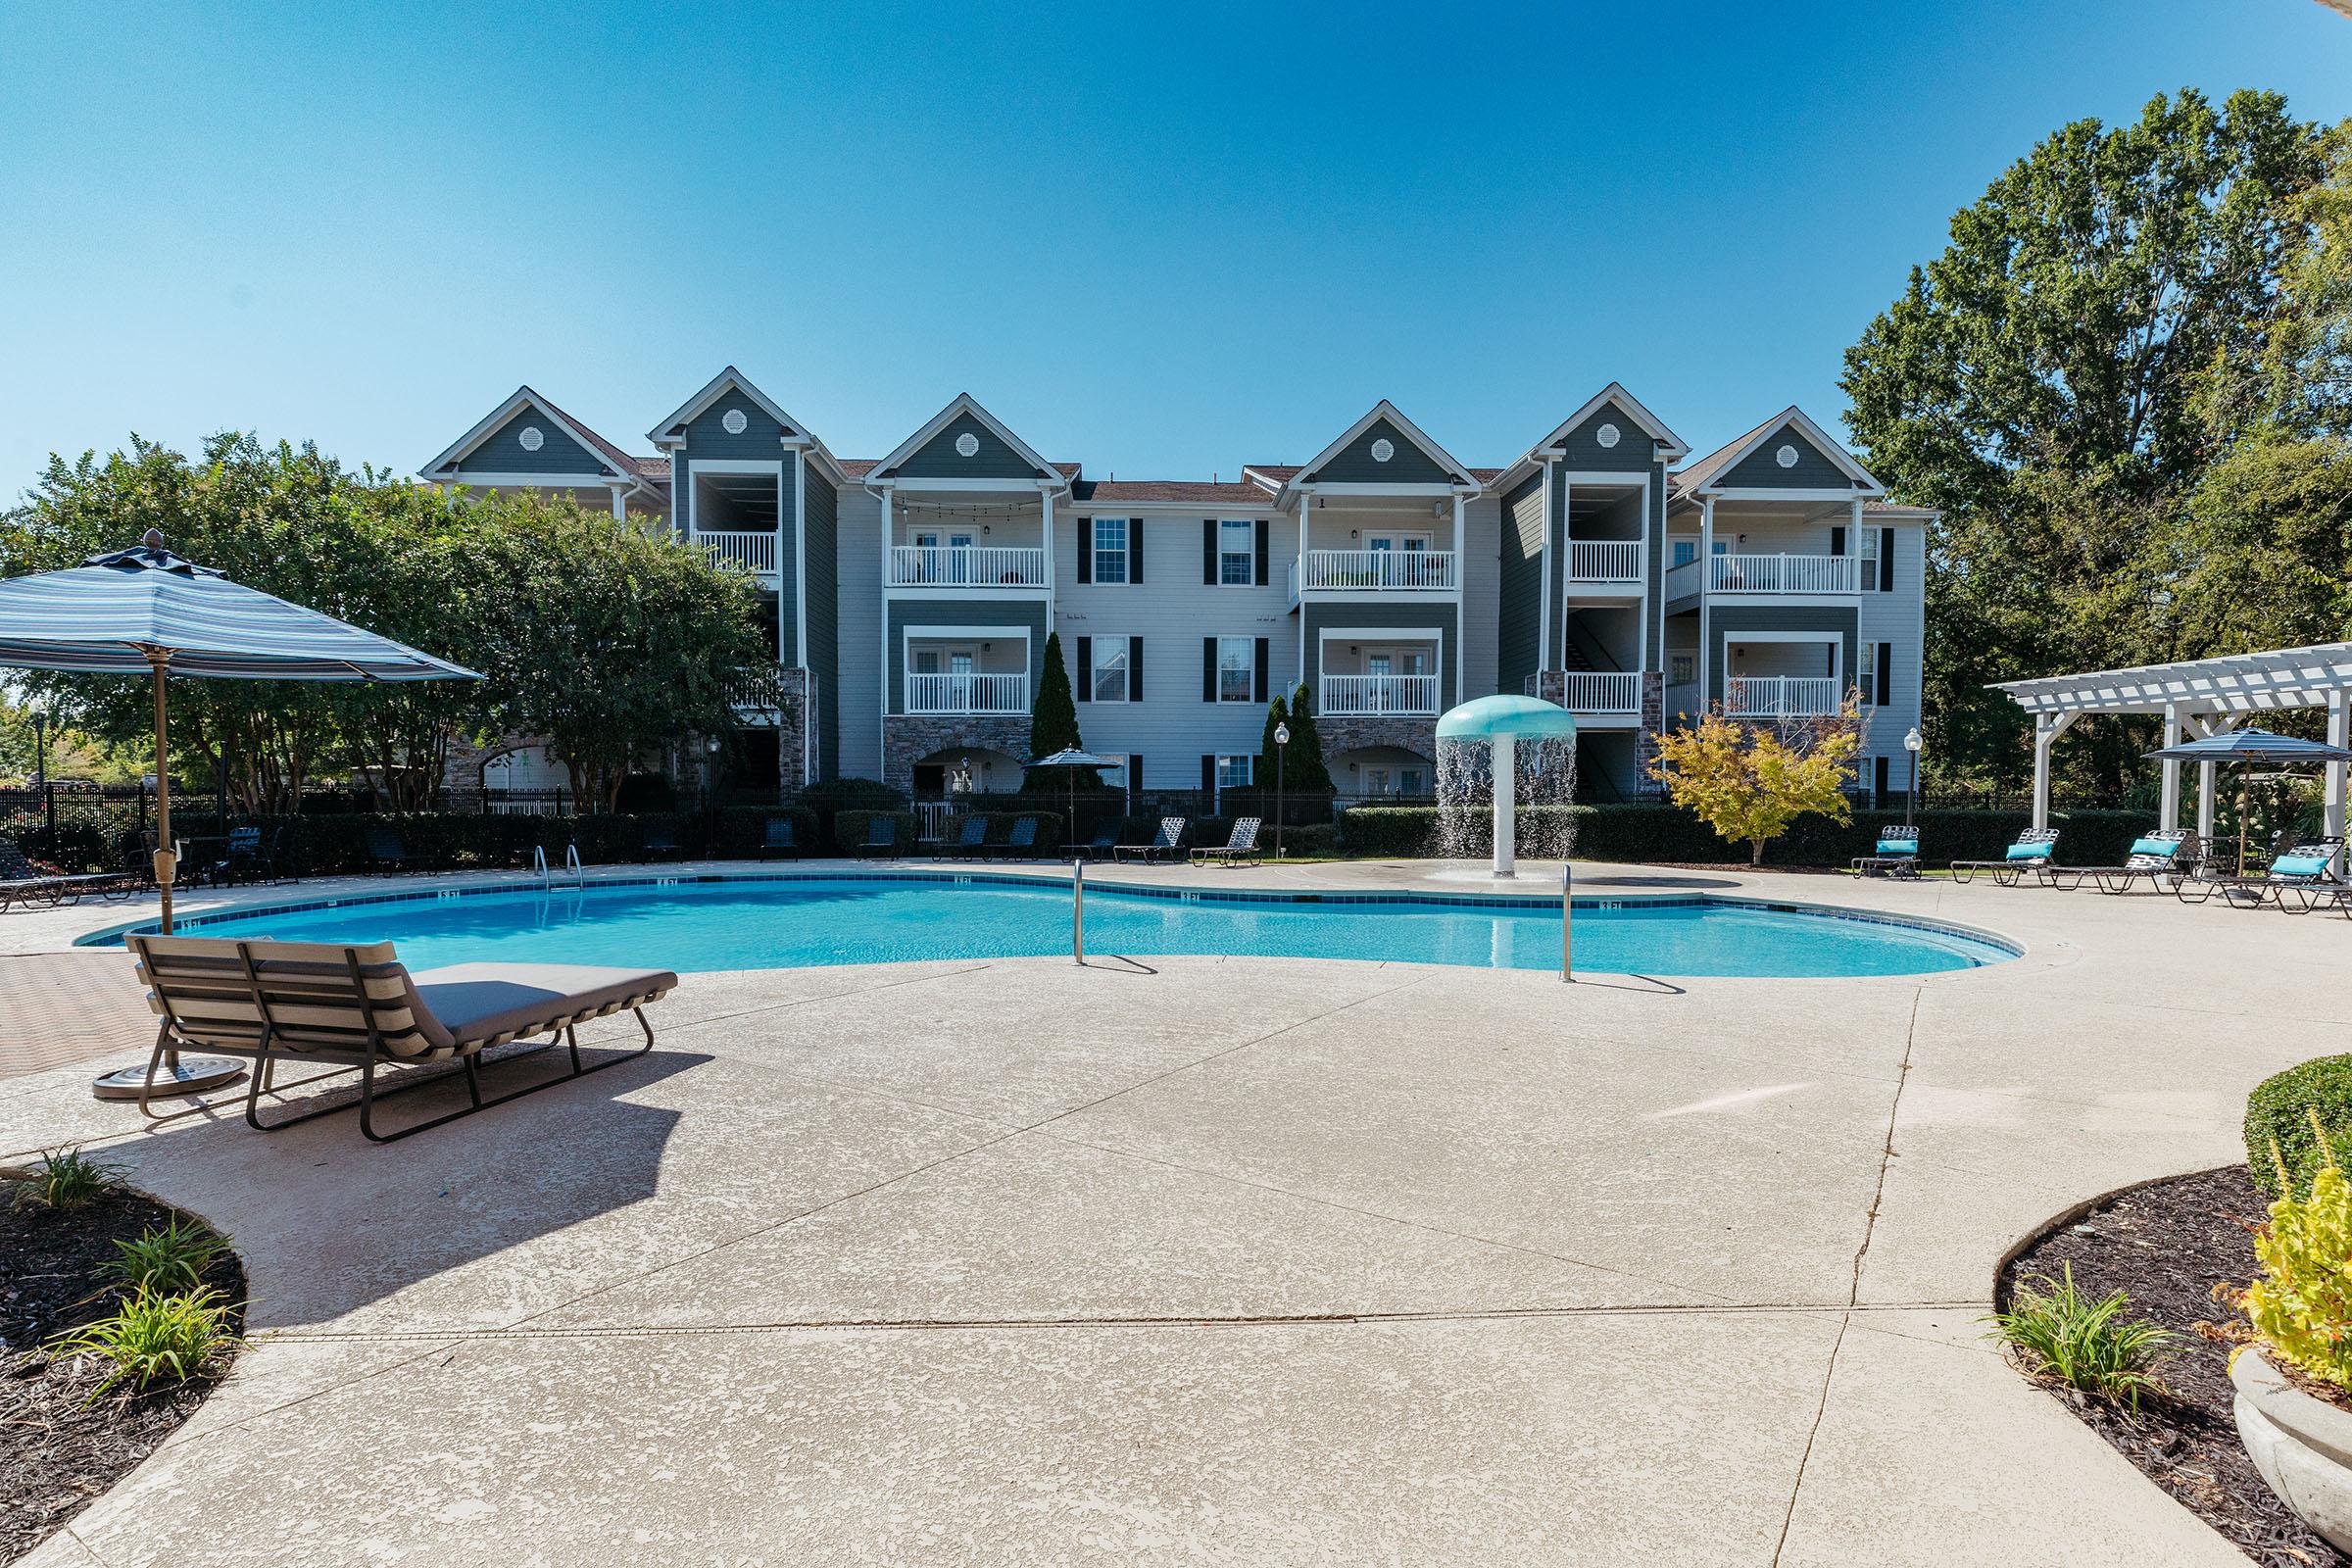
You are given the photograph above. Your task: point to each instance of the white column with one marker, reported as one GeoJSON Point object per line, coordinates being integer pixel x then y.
{"type": "Point", "coordinates": [884, 667]}
{"type": "Point", "coordinates": [1706, 575]}
{"type": "Point", "coordinates": [1545, 565]}
{"type": "Point", "coordinates": [1046, 528]}
{"type": "Point", "coordinates": [2339, 733]}
{"type": "Point", "coordinates": [800, 558]}
{"type": "Point", "coordinates": [2047, 727]}
{"type": "Point", "coordinates": [2168, 807]}
{"type": "Point", "coordinates": [1853, 542]}
{"type": "Point", "coordinates": [1460, 572]}
{"type": "Point", "coordinates": [620, 504]}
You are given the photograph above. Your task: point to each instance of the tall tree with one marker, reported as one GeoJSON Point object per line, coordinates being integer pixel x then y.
{"type": "Point", "coordinates": [1302, 769]}
{"type": "Point", "coordinates": [2040, 382]}
{"type": "Point", "coordinates": [1054, 718]}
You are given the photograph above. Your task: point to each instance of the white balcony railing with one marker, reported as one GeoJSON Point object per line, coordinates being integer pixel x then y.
{"type": "Point", "coordinates": [1379, 569]}
{"type": "Point", "coordinates": [1681, 580]}
{"type": "Point", "coordinates": [1686, 701]}
{"type": "Point", "coordinates": [1605, 691]}
{"type": "Point", "coordinates": [1362, 695]}
{"type": "Point", "coordinates": [967, 694]}
{"type": "Point", "coordinates": [755, 553]}
{"type": "Point", "coordinates": [1604, 560]}
{"type": "Point", "coordinates": [967, 566]}
{"type": "Point", "coordinates": [1779, 696]}
{"type": "Point", "coordinates": [1785, 575]}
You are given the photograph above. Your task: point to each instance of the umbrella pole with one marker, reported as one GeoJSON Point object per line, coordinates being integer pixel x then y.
{"type": "Point", "coordinates": [166, 860]}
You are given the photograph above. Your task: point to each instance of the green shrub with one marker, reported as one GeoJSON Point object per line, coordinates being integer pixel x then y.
{"type": "Point", "coordinates": [1413, 831]}
{"type": "Point", "coordinates": [69, 1179]}
{"type": "Point", "coordinates": [2068, 1338]}
{"type": "Point", "coordinates": [2301, 1304]}
{"type": "Point", "coordinates": [155, 1338]}
{"type": "Point", "coordinates": [2281, 1116]}
{"type": "Point", "coordinates": [169, 1259]}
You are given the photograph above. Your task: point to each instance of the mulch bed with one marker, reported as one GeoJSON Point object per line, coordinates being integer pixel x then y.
{"type": "Point", "coordinates": [57, 1449]}
{"type": "Point", "coordinates": [2166, 1246]}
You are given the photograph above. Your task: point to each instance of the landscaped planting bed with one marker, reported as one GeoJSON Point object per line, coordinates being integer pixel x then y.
{"type": "Point", "coordinates": [2166, 1246]}
{"type": "Point", "coordinates": [63, 1442]}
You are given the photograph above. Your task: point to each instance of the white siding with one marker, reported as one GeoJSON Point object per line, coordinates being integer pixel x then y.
{"type": "Point", "coordinates": [1894, 618]}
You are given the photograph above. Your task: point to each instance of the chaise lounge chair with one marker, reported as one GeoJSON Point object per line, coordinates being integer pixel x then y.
{"type": "Point", "coordinates": [386, 850]}
{"type": "Point", "coordinates": [1105, 842]}
{"type": "Point", "coordinates": [21, 883]}
{"type": "Point", "coordinates": [1898, 855]}
{"type": "Point", "coordinates": [2309, 863]}
{"type": "Point", "coordinates": [2153, 858]}
{"type": "Point", "coordinates": [1163, 846]}
{"type": "Point", "coordinates": [971, 838]}
{"type": "Point", "coordinates": [272, 1002]}
{"type": "Point", "coordinates": [1240, 847]}
{"type": "Point", "coordinates": [783, 838]}
{"type": "Point", "coordinates": [881, 836]}
{"type": "Point", "coordinates": [662, 840]}
{"type": "Point", "coordinates": [2030, 855]}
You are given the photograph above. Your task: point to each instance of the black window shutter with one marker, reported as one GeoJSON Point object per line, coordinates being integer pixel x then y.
{"type": "Point", "coordinates": [1135, 669]}
{"type": "Point", "coordinates": [1085, 669]}
{"type": "Point", "coordinates": [1135, 782]}
{"type": "Point", "coordinates": [1085, 549]}
{"type": "Point", "coordinates": [1264, 537]}
{"type": "Point", "coordinates": [1837, 541]}
{"type": "Point", "coordinates": [1209, 552]}
{"type": "Point", "coordinates": [1135, 550]}
{"type": "Point", "coordinates": [1263, 647]}
{"type": "Point", "coordinates": [1881, 779]}
{"type": "Point", "coordinates": [1208, 669]}
{"type": "Point", "coordinates": [1885, 674]}
{"type": "Point", "coordinates": [1208, 777]}
{"type": "Point", "coordinates": [1885, 561]}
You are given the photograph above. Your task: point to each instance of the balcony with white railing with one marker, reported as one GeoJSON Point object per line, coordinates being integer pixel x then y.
{"type": "Point", "coordinates": [1759, 575]}
{"type": "Point", "coordinates": [1602, 691]}
{"type": "Point", "coordinates": [1779, 696]}
{"type": "Point", "coordinates": [1684, 701]}
{"type": "Point", "coordinates": [1370, 696]}
{"type": "Point", "coordinates": [1615, 562]}
{"type": "Point", "coordinates": [1375, 571]}
{"type": "Point", "coordinates": [968, 567]}
{"type": "Point", "coordinates": [967, 693]}
{"type": "Point", "coordinates": [755, 553]}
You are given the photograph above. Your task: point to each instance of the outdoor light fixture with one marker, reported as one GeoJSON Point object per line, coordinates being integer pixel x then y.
{"type": "Point", "coordinates": [1282, 752]}
{"type": "Point", "coordinates": [1912, 743]}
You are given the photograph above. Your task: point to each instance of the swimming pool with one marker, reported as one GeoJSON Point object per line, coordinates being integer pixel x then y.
{"type": "Point", "coordinates": [790, 921]}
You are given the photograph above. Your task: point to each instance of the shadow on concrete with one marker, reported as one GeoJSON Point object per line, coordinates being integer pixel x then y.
{"type": "Point", "coordinates": [329, 1223]}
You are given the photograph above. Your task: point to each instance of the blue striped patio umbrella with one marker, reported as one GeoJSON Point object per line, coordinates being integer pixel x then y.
{"type": "Point", "coordinates": [2247, 747]}
{"type": "Point", "coordinates": [147, 612]}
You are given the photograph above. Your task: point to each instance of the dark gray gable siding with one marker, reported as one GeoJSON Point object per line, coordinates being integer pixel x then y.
{"type": "Point", "coordinates": [707, 433]}
{"type": "Point", "coordinates": [1519, 618]}
{"type": "Point", "coordinates": [821, 511]}
{"type": "Point", "coordinates": [1320, 614]}
{"type": "Point", "coordinates": [910, 614]}
{"type": "Point", "coordinates": [503, 453]}
{"type": "Point", "coordinates": [1726, 621]}
{"type": "Point", "coordinates": [1761, 471]}
{"type": "Point", "coordinates": [1633, 453]}
{"type": "Point", "coordinates": [1354, 464]}
{"type": "Point", "coordinates": [938, 459]}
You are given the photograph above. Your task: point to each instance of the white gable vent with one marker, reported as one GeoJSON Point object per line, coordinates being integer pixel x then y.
{"type": "Point", "coordinates": [1607, 435]}
{"type": "Point", "coordinates": [1382, 450]}
{"type": "Point", "coordinates": [529, 439]}
{"type": "Point", "coordinates": [968, 445]}
{"type": "Point", "coordinates": [732, 422]}
{"type": "Point", "coordinates": [1786, 457]}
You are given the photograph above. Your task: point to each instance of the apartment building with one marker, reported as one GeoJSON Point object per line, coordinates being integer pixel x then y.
{"type": "Point", "coordinates": [1603, 569]}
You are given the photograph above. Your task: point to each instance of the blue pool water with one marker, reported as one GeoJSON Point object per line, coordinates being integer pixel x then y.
{"type": "Point", "coordinates": [784, 924]}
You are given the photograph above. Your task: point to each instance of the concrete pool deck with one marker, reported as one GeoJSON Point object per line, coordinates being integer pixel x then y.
{"type": "Point", "coordinates": [1238, 1260]}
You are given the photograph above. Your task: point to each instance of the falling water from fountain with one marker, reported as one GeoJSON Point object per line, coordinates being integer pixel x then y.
{"type": "Point", "coordinates": [1532, 746]}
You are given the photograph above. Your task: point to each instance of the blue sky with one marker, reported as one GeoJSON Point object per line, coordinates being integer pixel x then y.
{"type": "Point", "coordinates": [1164, 252]}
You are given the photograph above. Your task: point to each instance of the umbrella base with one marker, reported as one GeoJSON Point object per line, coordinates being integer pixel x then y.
{"type": "Point", "coordinates": [191, 1075]}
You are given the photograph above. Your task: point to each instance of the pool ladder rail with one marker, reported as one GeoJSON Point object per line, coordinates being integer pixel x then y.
{"type": "Point", "coordinates": [574, 869]}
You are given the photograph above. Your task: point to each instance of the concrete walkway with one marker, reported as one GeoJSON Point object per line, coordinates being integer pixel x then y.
{"type": "Point", "coordinates": [1224, 1261]}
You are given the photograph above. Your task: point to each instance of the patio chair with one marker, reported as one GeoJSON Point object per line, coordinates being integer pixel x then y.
{"type": "Point", "coordinates": [1021, 843]}
{"type": "Point", "coordinates": [2309, 863]}
{"type": "Point", "coordinates": [783, 838]}
{"type": "Point", "coordinates": [386, 850]}
{"type": "Point", "coordinates": [1163, 846]}
{"type": "Point", "coordinates": [971, 837]}
{"type": "Point", "coordinates": [2029, 855]}
{"type": "Point", "coordinates": [1897, 855]}
{"type": "Point", "coordinates": [881, 836]}
{"type": "Point", "coordinates": [2153, 858]}
{"type": "Point", "coordinates": [243, 860]}
{"type": "Point", "coordinates": [1105, 842]}
{"type": "Point", "coordinates": [662, 840]}
{"type": "Point", "coordinates": [1240, 846]}
{"type": "Point", "coordinates": [274, 1003]}
{"type": "Point", "coordinates": [21, 883]}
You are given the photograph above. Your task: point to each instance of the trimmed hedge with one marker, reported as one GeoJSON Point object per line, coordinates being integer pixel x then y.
{"type": "Point", "coordinates": [1668, 833]}
{"type": "Point", "coordinates": [2277, 1113]}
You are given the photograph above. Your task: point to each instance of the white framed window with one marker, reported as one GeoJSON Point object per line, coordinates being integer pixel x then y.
{"type": "Point", "coordinates": [1111, 550]}
{"type": "Point", "coordinates": [1111, 669]}
{"type": "Point", "coordinates": [1869, 568]}
{"type": "Point", "coordinates": [1685, 551]}
{"type": "Point", "coordinates": [1867, 677]}
{"type": "Point", "coordinates": [1233, 772]}
{"type": "Point", "coordinates": [1237, 553]}
{"type": "Point", "coordinates": [1237, 669]}
{"type": "Point", "coordinates": [1413, 781]}
{"type": "Point", "coordinates": [1682, 668]}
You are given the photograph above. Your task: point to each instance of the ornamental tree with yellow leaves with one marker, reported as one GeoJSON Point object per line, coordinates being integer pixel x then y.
{"type": "Point", "coordinates": [1750, 781]}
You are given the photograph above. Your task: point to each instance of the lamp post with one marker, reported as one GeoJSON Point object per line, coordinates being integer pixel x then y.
{"type": "Point", "coordinates": [1282, 753]}
{"type": "Point", "coordinates": [1912, 743]}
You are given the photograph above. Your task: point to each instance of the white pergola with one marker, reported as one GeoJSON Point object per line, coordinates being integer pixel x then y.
{"type": "Point", "coordinates": [2196, 698]}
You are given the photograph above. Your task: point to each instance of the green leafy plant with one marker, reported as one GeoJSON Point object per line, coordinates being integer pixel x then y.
{"type": "Point", "coordinates": [171, 1259]}
{"type": "Point", "coordinates": [152, 1339]}
{"type": "Point", "coordinates": [2069, 1338]}
{"type": "Point", "coordinates": [2284, 1117]}
{"type": "Point", "coordinates": [2301, 1304]}
{"type": "Point", "coordinates": [69, 1179]}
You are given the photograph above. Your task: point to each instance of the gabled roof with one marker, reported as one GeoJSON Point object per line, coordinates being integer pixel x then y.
{"type": "Point", "coordinates": [673, 428]}
{"type": "Point", "coordinates": [617, 464]}
{"type": "Point", "coordinates": [964, 404]}
{"type": "Point", "coordinates": [1700, 475]}
{"type": "Point", "coordinates": [1383, 409]}
{"type": "Point", "coordinates": [1671, 447]}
